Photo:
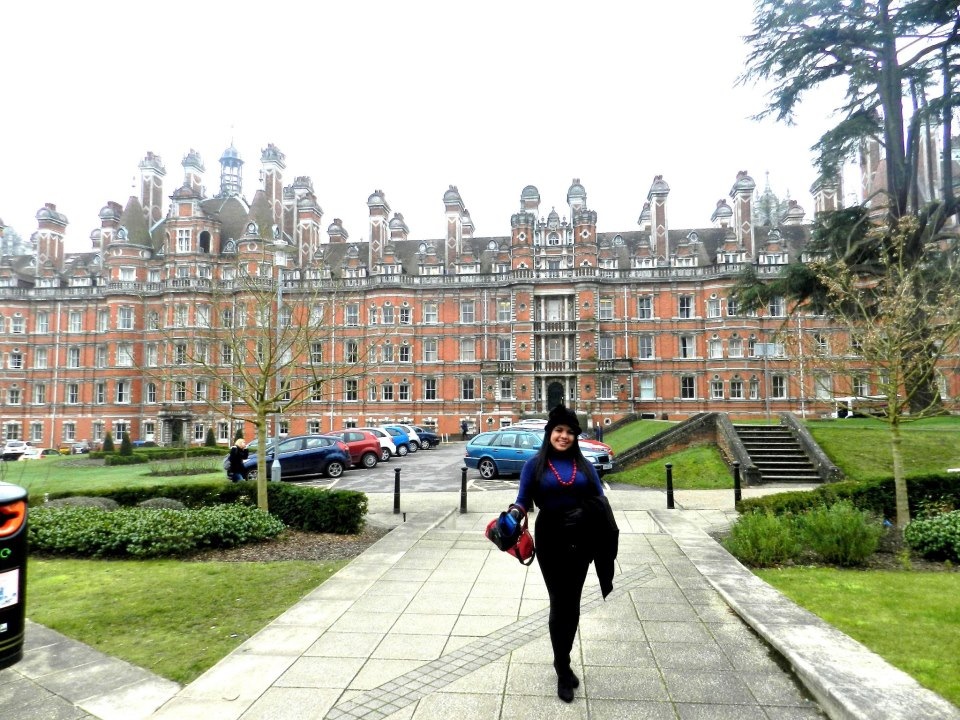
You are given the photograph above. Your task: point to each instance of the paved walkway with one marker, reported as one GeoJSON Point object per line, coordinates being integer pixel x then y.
{"type": "Point", "coordinates": [433, 622]}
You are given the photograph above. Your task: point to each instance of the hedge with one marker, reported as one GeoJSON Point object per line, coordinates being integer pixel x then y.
{"type": "Point", "coordinates": [876, 496]}
{"type": "Point", "coordinates": [302, 508]}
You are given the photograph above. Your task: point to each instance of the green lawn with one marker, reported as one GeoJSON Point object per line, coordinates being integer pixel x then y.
{"type": "Point", "coordinates": [697, 468]}
{"type": "Point", "coordinates": [174, 618]}
{"type": "Point", "coordinates": [636, 432]}
{"type": "Point", "coordinates": [910, 619]}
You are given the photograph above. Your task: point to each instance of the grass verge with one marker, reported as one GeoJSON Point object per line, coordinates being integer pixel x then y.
{"type": "Point", "coordinates": [910, 619]}
{"type": "Point", "coordinates": [696, 468]}
{"type": "Point", "coordinates": [171, 617]}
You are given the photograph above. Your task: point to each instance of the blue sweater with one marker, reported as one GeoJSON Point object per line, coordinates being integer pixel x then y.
{"type": "Point", "coordinates": [548, 493]}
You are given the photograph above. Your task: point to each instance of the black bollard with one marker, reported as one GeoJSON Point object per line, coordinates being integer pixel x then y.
{"type": "Point", "coordinates": [736, 482]}
{"type": "Point", "coordinates": [669, 467]}
{"type": "Point", "coordinates": [463, 490]}
{"type": "Point", "coordinates": [396, 491]}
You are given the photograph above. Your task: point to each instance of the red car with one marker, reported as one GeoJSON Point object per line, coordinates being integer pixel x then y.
{"type": "Point", "coordinates": [364, 446]}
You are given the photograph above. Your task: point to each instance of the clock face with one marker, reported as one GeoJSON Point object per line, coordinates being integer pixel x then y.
{"type": "Point", "coordinates": [492, 244]}
{"type": "Point", "coordinates": [618, 240]}
{"type": "Point", "coordinates": [423, 247]}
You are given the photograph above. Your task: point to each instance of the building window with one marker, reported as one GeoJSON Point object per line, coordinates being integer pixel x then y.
{"type": "Point", "coordinates": [406, 316]}
{"type": "Point", "coordinates": [735, 347]}
{"type": "Point", "coordinates": [153, 321]}
{"type": "Point", "coordinates": [386, 392]}
{"type": "Point", "coordinates": [16, 360]}
{"type": "Point", "coordinates": [605, 311]}
{"type": "Point", "coordinates": [352, 315]}
{"type": "Point", "coordinates": [776, 307]}
{"type": "Point", "coordinates": [180, 354]}
{"type": "Point", "coordinates": [388, 315]}
{"type": "Point", "coordinates": [119, 430]}
{"type": "Point", "coordinates": [406, 353]}
{"type": "Point", "coordinates": [199, 432]}
{"type": "Point", "coordinates": [506, 389]}
{"type": "Point", "coordinates": [73, 357]}
{"type": "Point", "coordinates": [778, 387]}
{"type": "Point", "coordinates": [754, 389]}
{"type": "Point", "coordinates": [468, 311]}
{"type": "Point", "coordinates": [226, 393]}
{"type": "Point", "coordinates": [504, 313]}
{"type": "Point", "coordinates": [183, 240]}
{"type": "Point", "coordinates": [75, 322]}
{"type": "Point", "coordinates": [403, 392]}
{"type": "Point", "coordinates": [125, 355]}
{"type": "Point", "coordinates": [123, 391]}
{"type": "Point", "coordinates": [351, 390]}
{"type": "Point", "coordinates": [180, 315]}
{"type": "Point", "coordinates": [100, 393]}
{"type": "Point", "coordinates": [200, 390]}
{"type": "Point", "coordinates": [386, 353]}
{"type": "Point", "coordinates": [860, 386]}
{"type": "Point", "coordinates": [150, 355]}
{"type": "Point", "coordinates": [73, 394]}
{"type": "Point", "coordinates": [605, 347]}
{"type": "Point", "coordinates": [688, 346]}
{"type": "Point", "coordinates": [103, 320]}
{"type": "Point", "coordinates": [645, 307]}
{"type": "Point", "coordinates": [685, 306]}
{"type": "Point", "coordinates": [466, 389]}
{"type": "Point", "coordinates": [821, 345]}
{"type": "Point", "coordinates": [606, 389]}
{"type": "Point", "coordinates": [713, 308]}
{"type": "Point", "coordinates": [226, 354]}
{"type": "Point", "coordinates": [40, 394]}
{"type": "Point", "coordinates": [430, 389]}
{"type": "Point", "coordinates": [69, 432]}
{"type": "Point", "coordinates": [716, 389]}
{"type": "Point", "coordinates": [313, 427]}
{"type": "Point", "coordinates": [40, 358]}
{"type": "Point", "coordinates": [468, 349]}
{"type": "Point", "coordinates": [430, 314]}
{"type": "Point", "coordinates": [151, 392]}
{"type": "Point", "coordinates": [42, 322]}
{"type": "Point", "coordinates": [179, 391]}
{"type": "Point", "coordinates": [11, 431]}
{"type": "Point", "coordinates": [36, 433]}
{"type": "Point", "coordinates": [125, 318]}
{"type": "Point", "coordinates": [715, 348]}
{"type": "Point", "coordinates": [351, 351]}
{"type": "Point", "coordinates": [733, 307]}
{"type": "Point", "coordinates": [646, 347]}
{"type": "Point", "coordinates": [100, 356]}
{"type": "Point", "coordinates": [736, 389]}
{"type": "Point", "coordinates": [430, 353]}
{"type": "Point", "coordinates": [688, 387]}
{"type": "Point", "coordinates": [504, 349]}
{"type": "Point", "coordinates": [13, 396]}
{"type": "Point", "coordinates": [316, 353]}
{"type": "Point", "coordinates": [823, 387]}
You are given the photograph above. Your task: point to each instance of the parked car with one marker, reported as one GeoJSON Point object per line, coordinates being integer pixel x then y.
{"type": "Point", "coordinates": [587, 442]}
{"type": "Point", "coordinates": [412, 435]}
{"type": "Point", "coordinates": [428, 438]}
{"type": "Point", "coordinates": [364, 446]}
{"type": "Point", "coordinates": [31, 453]}
{"type": "Point", "coordinates": [503, 452]}
{"type": "Point", "coordinates": [304, 456]}
{"type": "Point", "coordinates": [13, 449]}
{"type": "Point", "coordinates": [388, 448]}
{"type": "Point", "coordinates": [401, 442]}
{"type": "Point", "coordinates": [402, 439]}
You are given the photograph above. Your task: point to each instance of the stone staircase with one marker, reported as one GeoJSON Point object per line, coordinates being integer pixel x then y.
{"type": "Point", "coordinates": [777, 454]}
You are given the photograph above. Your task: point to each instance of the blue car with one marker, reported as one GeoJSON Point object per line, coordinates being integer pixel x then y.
{"type": "Point", "coordinates": [305, 456]}
{"type": "Point", "coordinates": [503, 452]}
{"type": "Point", "coordinates": [400, 439]}
{"type": "Point", "coordinates": [428, 438]}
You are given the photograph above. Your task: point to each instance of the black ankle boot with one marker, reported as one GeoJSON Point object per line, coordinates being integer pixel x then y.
{"type": "Point", "coordinates": [567, 681]}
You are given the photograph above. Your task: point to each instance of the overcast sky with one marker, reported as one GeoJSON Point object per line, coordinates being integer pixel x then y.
{"type": "Point", "coordinates": [406, 97]}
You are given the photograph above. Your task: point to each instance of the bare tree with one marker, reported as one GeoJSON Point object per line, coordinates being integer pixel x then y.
{"type": "Point", "coordinates": [262, 342]}
{"type": "Point", "coordinates": [886, 319]}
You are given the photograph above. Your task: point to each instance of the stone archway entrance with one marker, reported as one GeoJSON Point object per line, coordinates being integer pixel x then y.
{"type": "Point", "coordinates": [555, 395]}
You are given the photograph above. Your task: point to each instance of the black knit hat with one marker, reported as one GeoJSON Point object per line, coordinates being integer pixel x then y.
{"type": "Point", "coordinates": [561, 415]}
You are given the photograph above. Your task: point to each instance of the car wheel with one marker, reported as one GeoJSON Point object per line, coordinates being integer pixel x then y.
{"type": "Point", "coordinates": [402, 450]}
{"type": "Point", "coordinates": [424, 444]}
{"type": "Point", "coordinates": [334, 469]}
{"type": "Point", "coordinates": [487, 468]}
{"type": "Point", "coordinates": [252, 475]}
{"type": "Point", "coordinates": [414, 446]}
{"type": "Point", "coordinates": [369, 460]}
{"type": "Point", "coordinates": [385, 454]}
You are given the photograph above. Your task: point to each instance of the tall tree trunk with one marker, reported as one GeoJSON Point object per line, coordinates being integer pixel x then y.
{"type": "Point", "coordinates": [899, 481]}
{"type": "Point", "coordinates": [890, 87]}
{"type": "Point", "coordinates": [261, 423]}
{"type": "Point", "coordinates": [947, 122]}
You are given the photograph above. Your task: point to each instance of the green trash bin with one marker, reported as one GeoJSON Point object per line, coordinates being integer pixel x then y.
{"type": "Point", "coordinates": [13, 572]}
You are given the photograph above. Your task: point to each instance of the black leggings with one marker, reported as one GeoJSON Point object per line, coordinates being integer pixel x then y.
{"type": "Point", "coordinates": [564, 567]}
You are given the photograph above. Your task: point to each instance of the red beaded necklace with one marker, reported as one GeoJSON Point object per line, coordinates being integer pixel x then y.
{"type": "Point", "coordinates": [565, 483]}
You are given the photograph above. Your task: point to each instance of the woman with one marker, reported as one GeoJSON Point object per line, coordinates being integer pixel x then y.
{"type": "Point", "coordinates": [238, 453]}
{"type": "Point", "coordinates": [565, 486]}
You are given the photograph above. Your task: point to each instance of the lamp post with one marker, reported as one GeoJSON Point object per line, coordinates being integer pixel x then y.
{"type": "Point", "coordinates": [280, 260]}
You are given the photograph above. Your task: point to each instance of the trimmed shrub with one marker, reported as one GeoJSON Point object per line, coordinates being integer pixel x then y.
{"type": "Point", "coordinates": [139, 532]}
{"type": "Point", "coordinates": [126, 447]}
{"type": "Point", "coordinates": [108, 443]}
{"type": "Point", "coordinates": [840, 534]}
{"type": "Point", "coordinates": [761, 539]}
{"type": "Point", "coordinates": [936, 537]}
{"type": "Point", "coordinates": [162, 503]}
{"type": "Point", "coordinates": [104, 503]}
{"type": "Point", "coordinates": [210, 440]}
{"type": "Point", "coordinates": [121, 459]}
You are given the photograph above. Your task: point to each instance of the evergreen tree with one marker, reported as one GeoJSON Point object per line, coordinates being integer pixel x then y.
{"type": "Point", "coordinates": [126, 447]}
{"type": "Point", "coordinates": [108, 443]}
{"type": "Point", "coordinates": [210, 440]}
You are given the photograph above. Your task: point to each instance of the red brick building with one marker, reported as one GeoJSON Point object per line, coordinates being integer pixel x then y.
{"type": "Point", "coordinates": [483, 329]}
